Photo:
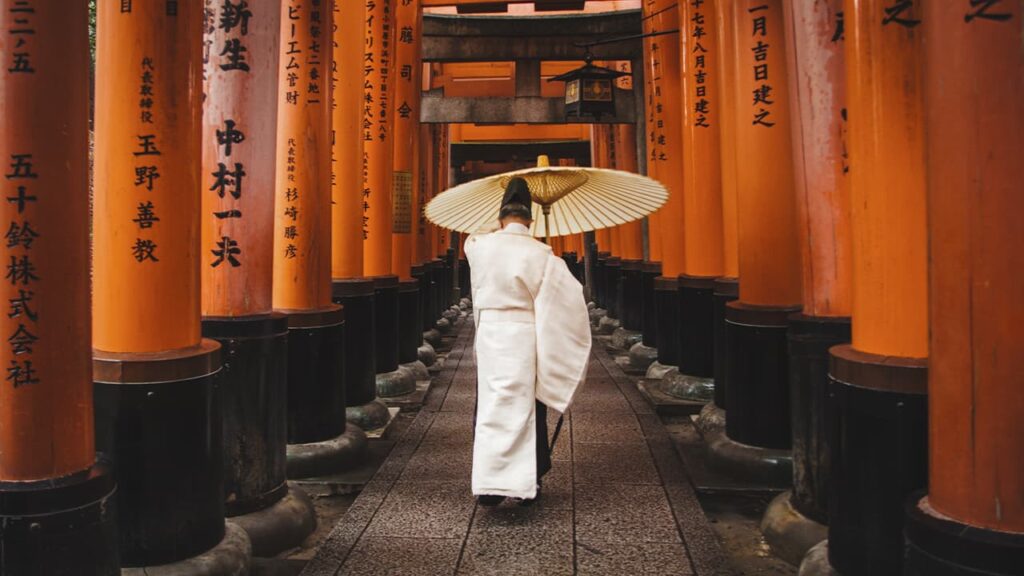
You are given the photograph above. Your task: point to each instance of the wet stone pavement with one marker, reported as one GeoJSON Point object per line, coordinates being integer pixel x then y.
{"type": "Point", "coordinates": [617, 501]}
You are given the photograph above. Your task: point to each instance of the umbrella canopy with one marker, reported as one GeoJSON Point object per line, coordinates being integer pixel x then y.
{"type": "Point", "coordinates": [572, 199]}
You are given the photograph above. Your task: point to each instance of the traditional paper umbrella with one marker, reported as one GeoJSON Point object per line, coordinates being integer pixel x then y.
{"type": "Point", "coordinates": [572, 200]}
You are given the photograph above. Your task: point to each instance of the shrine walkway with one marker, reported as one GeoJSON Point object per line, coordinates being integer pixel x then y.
{"type": "Point", "coordinates": [616, 502]}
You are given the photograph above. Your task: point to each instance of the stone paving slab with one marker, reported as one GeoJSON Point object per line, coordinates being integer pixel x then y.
{"type": "Point", "coordinates": [616, 502]}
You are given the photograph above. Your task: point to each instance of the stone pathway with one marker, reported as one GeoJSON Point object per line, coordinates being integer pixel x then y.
{"type": "Point", "coordinates": [617, 501]}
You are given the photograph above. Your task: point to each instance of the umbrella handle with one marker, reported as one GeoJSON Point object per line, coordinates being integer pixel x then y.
{"type": "Point", "coordinates": [547, 230]}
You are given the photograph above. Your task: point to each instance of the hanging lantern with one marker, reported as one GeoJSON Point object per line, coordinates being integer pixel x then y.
{"type": "Point", "coordinates": [589, 91]}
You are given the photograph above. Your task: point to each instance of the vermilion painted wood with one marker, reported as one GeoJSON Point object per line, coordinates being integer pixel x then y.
{"type": "Point", "coordinates": [46, 415]}
{"type": "Point", "coordinates": [302, 261]}
{"type": "Point", "coordinates": [973, 80]}
{"type": "Point", "coordinates": [381, 35]}
{"type": "Point", "coordinates": [238, 199]}
{"type": "Point", "coordinates": [347, 120]}
{"type": "Point", "coordinates": [701, 153]}
{"type": "Point", "coordinates": [887, 179]}
{"type": "Point", "coordinates": [769, 254]}
{"type": "Point", "coordinates": [725, 20]}
{"type": "Point", "coordinates": [818, 86]}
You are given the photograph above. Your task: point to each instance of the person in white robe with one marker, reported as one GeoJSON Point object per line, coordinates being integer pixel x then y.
{"type": "Point", "coordinates": [532, 348]}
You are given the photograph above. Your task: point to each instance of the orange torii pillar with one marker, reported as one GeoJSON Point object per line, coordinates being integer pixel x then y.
{"type": "Point", "coordinates": [406, 117]}
{"type": "Point", "coordinates": [319, 440]}
{"type": "Point", "coordinates": [757, 439]}
{"type": "Point", "coordinates": [877, 401]}
{"type": "Point", "coordinates": [726, 287]}
{"type": "Point", "coordinates": [379, 112]}
{"type": "Point", "coordinates": [665, 151]}
{"type": "Point", "coordinates": [158, 413]}
{"type": "Point", "coordinates": [56, 500]}
{"type": "Point", "coordinates": [972, 519]}
{"type": "Point", "coordinates": [795, 519]}
{"type": "Point", "coordinates": [239, 135]}
{"type": "Point", "coordinates": [630, 247]}
{"type": "Point", "coordinates": [702, 201]}
{"type": "Point", "coordinates": [350, 288]}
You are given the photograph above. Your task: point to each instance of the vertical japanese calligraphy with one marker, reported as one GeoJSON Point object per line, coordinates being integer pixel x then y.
{"type": "Point", "coordinates": [146, 232]}
{"type": "Point", "coordinates": [887, 177]}
{"type": "Point", "coordinates": [702, 178]}
{"type": "Point", "coordinates": [46, 416]}
{"type": "Point", "coordinates": [974, 136]}
{"type": "Point", "coordinates": [347, 160]}
{"type": "Point", "coordinates": [769, 257]}
{"type": "Point", "coordinates": [239, 128]}
{"type": "Point", "coordinates": [406, 133]}
{"type": "Point", "coordinates": [665, 124]}
{"type": "Point", "coordinates": [822, 191]}
{"type": "Point", "coordinates": [726, 42]}
{"type": "Point", "coordinates": [302, 217]}
{"type": "Point", "coordinates": [377, 134]}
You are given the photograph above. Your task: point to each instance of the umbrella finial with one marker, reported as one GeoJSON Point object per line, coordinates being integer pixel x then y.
{"type": "Point", "coordinates": [543, 161]}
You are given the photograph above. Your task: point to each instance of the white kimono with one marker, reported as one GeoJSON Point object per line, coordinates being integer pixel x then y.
{"type": "Point", "coordinates": [532, 343]}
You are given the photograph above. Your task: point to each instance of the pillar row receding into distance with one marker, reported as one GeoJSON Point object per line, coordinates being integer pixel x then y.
{"type": "Point", "coordinates": [757, 439]}
{"type": "Point", "coordinates": [972, 519]}
{"type": "Point", "coordinates": [379, 58]}
{"type": "Point", "coordinates": [158, 409]}
{"type": "Point", "coordinates": [702, 202]}
{"type": "Point", "coordinates": [53, 492]}
{"type": "Point", "coordinates": [795, 520]}
{"type": "Point", "coordinates": [238, 183]}
{"type": "Point", "coordinates": [320, 442]}
{"type": "Point", "coordinates": [877, 394]}
{"type": "Point", "coordinates": [351, 289]}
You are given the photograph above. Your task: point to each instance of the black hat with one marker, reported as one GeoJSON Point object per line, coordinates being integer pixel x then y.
{"type": "Point", "coordinates": [517, 192]}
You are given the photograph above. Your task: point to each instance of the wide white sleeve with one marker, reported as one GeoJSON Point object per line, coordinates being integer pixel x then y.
{"type": "Point", "coordinates": [563, 336]}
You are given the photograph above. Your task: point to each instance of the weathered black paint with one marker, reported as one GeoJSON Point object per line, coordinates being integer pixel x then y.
{"type": "Point", "coordinates": [356, 295]}
{"type": "Point", "coordinates": [666, 303]}
{"type": "Point", "coordinates": [386, 323]}
{"type": "Point", "coordinates": [878, 438]}
{"type": "Point", "coordinates": [254, 381]}
{"type": "Point", "coordinates": [649, 305]}
{"type": "Point", "coordinates": [316, 381]}
{"type": "Point", "coordinates": [697, 326]}
{"type": "Point", "coordinates": [810, 339]}
{"type": "Point", "coordinates": [164, 439]}
{"type": "Point", "coordinates": [437, 284]}
{"type": "Point", "coordinates": [465, 286]}
{"type": "Point", "coordinates": [612, 271]}
{"type": "Point", "coordinates": [600, 284]}
{"type": "Point", "coordinates": [725, 290]}
{"type": "Point", "coordinates": [630, 303]}
{"type": "Point", "coordinates": [60, 527]}
{"type": "Point", "coordinates": [758, 376]}
{"type": "Point", "coordinates": [943, 547]}
{"type": "Point", "coordinates": [410, 336]}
